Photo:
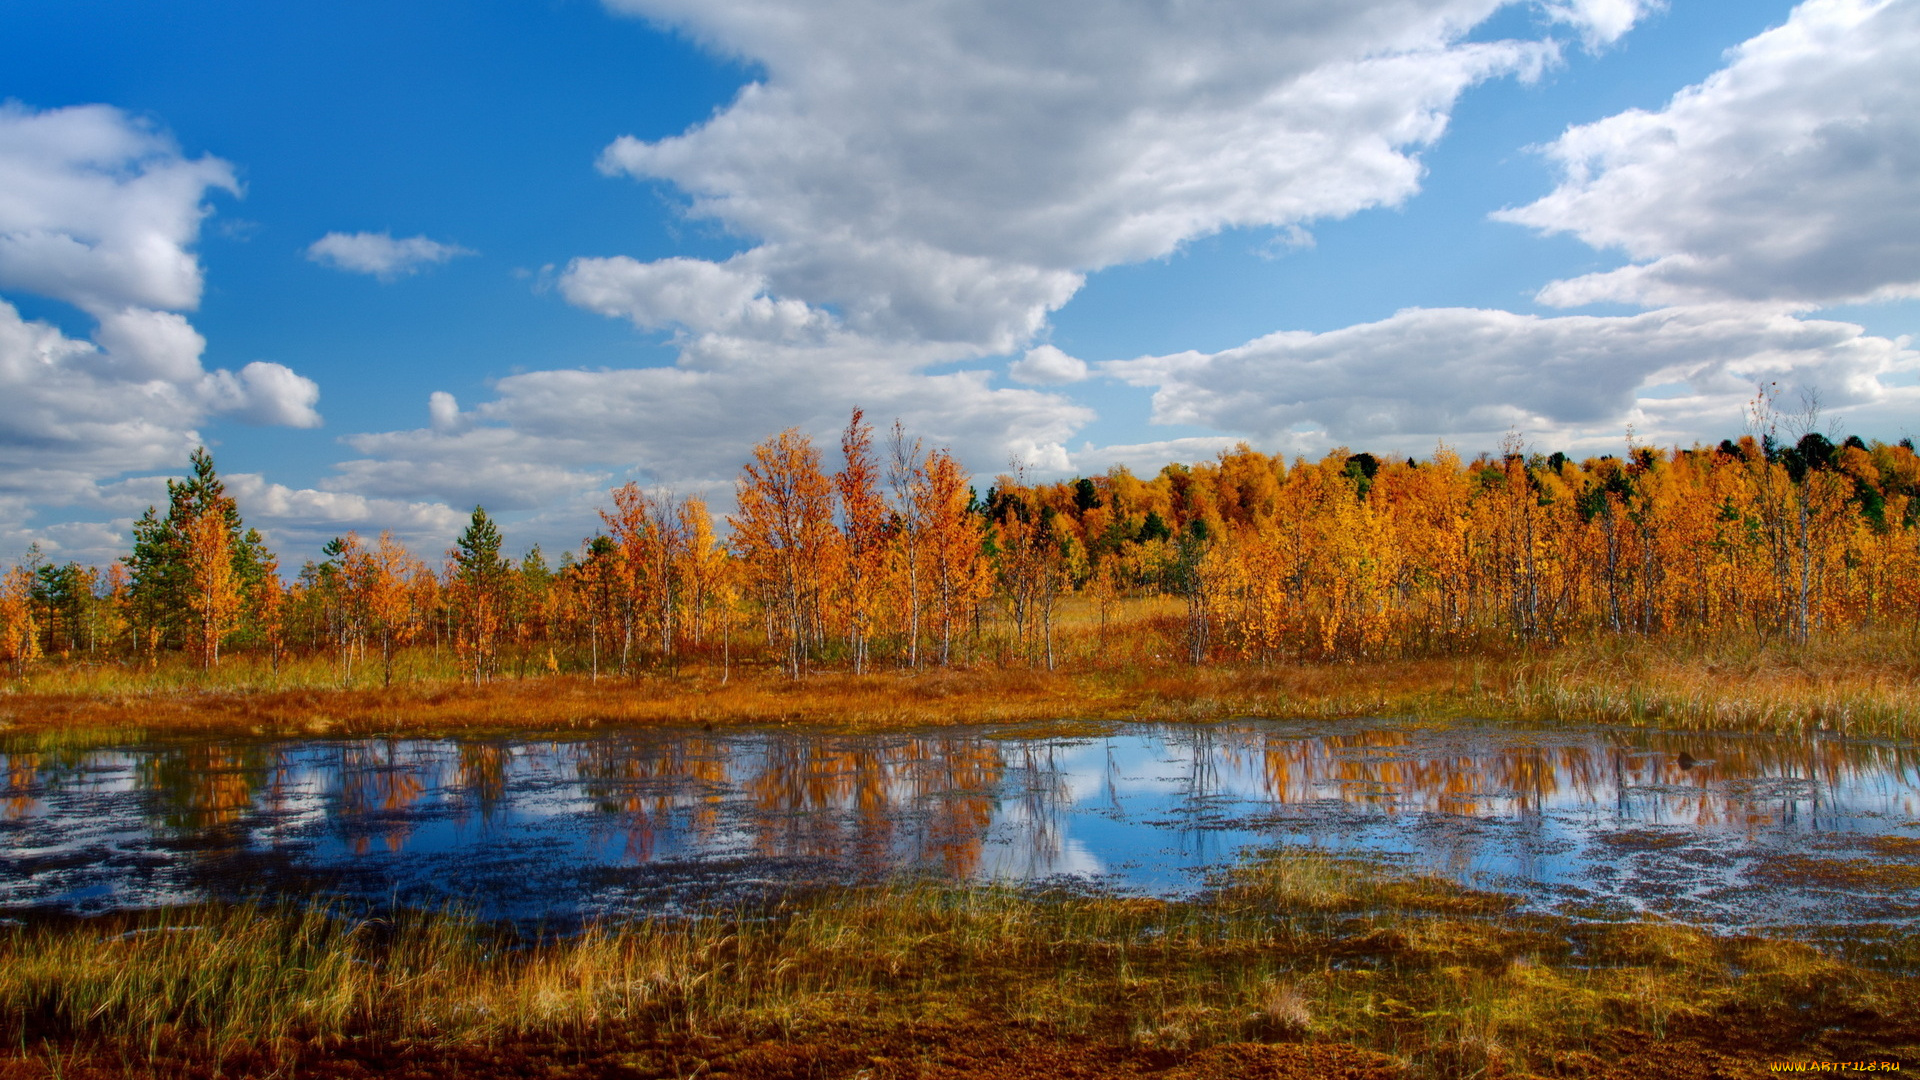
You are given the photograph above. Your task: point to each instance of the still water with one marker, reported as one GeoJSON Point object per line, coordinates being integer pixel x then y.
{"type": "Point", "coordinates": [1729, 830]}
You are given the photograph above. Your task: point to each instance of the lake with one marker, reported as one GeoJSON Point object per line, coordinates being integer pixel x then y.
{"type": "Point", "coordinates": [1733, 831]}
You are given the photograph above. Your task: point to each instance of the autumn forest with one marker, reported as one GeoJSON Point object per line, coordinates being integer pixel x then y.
{"type": "Point", "coordinates": [883, 553]}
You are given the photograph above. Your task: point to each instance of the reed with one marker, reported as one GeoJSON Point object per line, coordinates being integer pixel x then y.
{"type": "Point", "coordinates": [1296, 948]}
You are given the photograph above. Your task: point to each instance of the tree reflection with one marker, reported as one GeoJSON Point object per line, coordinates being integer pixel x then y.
{"type": "Point", "coordinates": [206, 787]}
{"type": "Point", "coordinates": [481, 772]}
{"type": "Point", "coordinates": [1676, 777]}
{"type": "Point", "coordinates": [23, 771]}
{"type": "Point", "coordinates": [372, 780]}
{"type": "Point", "coordinates": [645, 781]}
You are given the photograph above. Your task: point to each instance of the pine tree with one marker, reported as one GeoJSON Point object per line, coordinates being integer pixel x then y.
{"type": "Point", "coordinates": [477, 579]}
{"type": "Point", "coordinates": [160, 586]}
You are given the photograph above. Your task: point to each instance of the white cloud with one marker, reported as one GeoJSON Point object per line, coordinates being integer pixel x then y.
{"type": "Point", "coordinates": [920, 183]}
{"type": "Point", "coordinates": [938, 171]}
{"type": "Point", "coordinates": [72, 416]}
{"type": "Point", "coordinates": [1148, 458]}
{"type": "Point", "coordinates": [264, 393]}
{"type": "Point", "coordinates": [142, 345]}
{"type": "Point", "coordinates": [62, 426]}
{"type": "Point", "coordinates": [696, 294]}
{"type": "Point", "coordinates": [1602, 22]}
{"type": "Point", "coordinates": [1428, 373]}
{"type": "Point", "coordinates": [1792, 175]}
{"type": "Point", "coordinates": [380, 255]}
{"type": "Point", "coordinates": [303, 519]}
{"type": "Point", "coordinates": [443, 413]}
{"type": "Point", "coordinates": [548, 436]}
{"type": "Point", "coordinates": [1047, 366]}
{"type": "Point", "coordinates": [100, 210]}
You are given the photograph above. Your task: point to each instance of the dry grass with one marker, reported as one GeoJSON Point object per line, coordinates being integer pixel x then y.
{"type": "Point", "coordinates": [1862, 683]}
{"type": "Point", "coordinates": [1855, 690]}
{"type": "Point", "coordinates": [1292, 948]}
{"type": "Point", "coordinates": [1865, 684]}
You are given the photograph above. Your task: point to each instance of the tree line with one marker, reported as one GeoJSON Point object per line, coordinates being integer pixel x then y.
{"type": "Point", "coordinates": [890, 556]}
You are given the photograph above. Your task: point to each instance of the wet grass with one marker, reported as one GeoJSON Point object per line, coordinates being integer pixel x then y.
{"type": "Point", "coordinates": [1303, 954]}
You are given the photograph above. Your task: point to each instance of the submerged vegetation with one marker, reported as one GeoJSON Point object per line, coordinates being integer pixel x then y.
{"type": "Point", "coordinates": [1293, 964]}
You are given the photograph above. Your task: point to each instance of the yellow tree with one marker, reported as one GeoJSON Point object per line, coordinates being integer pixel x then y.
{"type": "Point", "coordinates": [785, 533]}
{"type": "Point", "coordinates": [111, 613]}
{"type": "Point", "coordinates": [19, 635]}
{"type": "Point", "coordinates": [701, 566]}
{"type": "Point", "coordinates": [1031, 564]}
{"type": "Point", "coordinates": [390, 570]}
{"type": "Point", "coordinates": [213, 593]}
{"type": "Point", "coordinates": [957, 572]}
{"type": "Point", "coordinates": [349, 586]}
{"type": "Point", "coordinates": [651, 538]}
{"type": "Point", "coordinates": [594, 587]}
{"type": "Point", "coordinates": [669, 560]}
{"type": "Point", "coordinates": [267, 603]}
{"type": "Point", "coordinates": [428, 601]}
{"type": "Point", "coordinates": [630, 527]}
{"type": "Point", "coordinates": [863, 515]}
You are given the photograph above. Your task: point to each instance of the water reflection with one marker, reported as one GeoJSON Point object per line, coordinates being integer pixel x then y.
{"type": "Point", "coordinates": [23, 771]}
{"type": "Point", "coordinates": [1693, 825]}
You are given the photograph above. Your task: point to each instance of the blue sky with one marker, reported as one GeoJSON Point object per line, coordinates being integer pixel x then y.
{"type": "Point", "coordinates": [389, 261]}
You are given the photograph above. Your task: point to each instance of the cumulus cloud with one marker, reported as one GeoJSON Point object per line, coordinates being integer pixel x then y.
{"type": "Point", "coordinates": [1602, 22]}
{"type": "Point", "coordinates": [443, 413]}
{"type": "Point", "coordinates": [304, 519]}
{"type": "Point", "coordinates": [142, 345]}
{"type": "Point", "coordinates": [547, 436]}
{"type": "Point", "coordinates": [1792, 175]}
{"type": "Point", "coordinates": [1045, 365]}
{"type": "Point", "coordinates": [1428, 373]}
{"type": "Point", "coordinates": [73, 414]}
{"type": "Point", "coordinates": [940, 171]}
{"type": "Point", "coordinates": [100, 210]}
{"type": "Point", "coordinates": [694, 294]}
{"type": "Point", "coordinates": [380, 255]}
{"type": "Point", "coordinates": [920, 184]}
{"type": "Point", "coordinates": [1148, 458]}
{"type": "Point", "coordinates": [263, 393]}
